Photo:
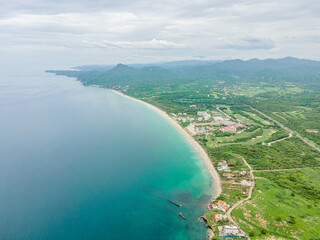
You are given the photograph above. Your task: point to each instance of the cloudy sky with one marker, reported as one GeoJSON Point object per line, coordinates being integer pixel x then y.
{"type": "Point", "coordinates": [64, 33]}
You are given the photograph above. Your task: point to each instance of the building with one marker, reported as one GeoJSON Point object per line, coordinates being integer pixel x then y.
{"type": "Point", "coordinates": [229, 129]}
{"type": "Point", "coordinates": [206, 116]}
{"type": "Point", "coordinates": [228, 175]}
{"type": "Point", "coordinates": [214, 206]}
{"type": "Point", "coordinates": [228, 123]}
{"type": "Point", "coordinates": [218, 119]}
{"type": "Point", "coordinates": [239, 125]}
{"type": "Point", "coordinates": [223, 166]}
{"type": "Point", "coordinates": [193, 106]}
{"type": "Point", "coordinates": [234, 231]}
{"type": "Point", "coordinates": [222, 205]}
{"type": "Point", "coordinates": [246, 183]}
{"type": "Point", "coordinates": [231, 230]}
{"type": "Point", "coordinates": [219, 217]}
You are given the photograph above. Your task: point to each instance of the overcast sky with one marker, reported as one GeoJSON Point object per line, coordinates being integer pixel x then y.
{"type": "Point", "coordinates": [64, 33]}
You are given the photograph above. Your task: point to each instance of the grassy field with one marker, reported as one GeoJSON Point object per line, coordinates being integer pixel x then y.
{"type": "Point", "coordinates": [245, 138]}
{"type": "Point", "coordinates": [290, 153]}
{"type": "Point", "coordinates": [258, 118]}
{"type": "Point", "coordinates": [254, 91]}
{"type": "Point", "coordinates": [244, 119]}
{"type": "Point", "coordinates": [262, 138]}
{"type": "Point", "coordinates": [284, 205]}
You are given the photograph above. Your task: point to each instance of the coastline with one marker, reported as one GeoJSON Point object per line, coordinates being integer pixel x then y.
{"type": "Point", "coordinates": [194, 144]}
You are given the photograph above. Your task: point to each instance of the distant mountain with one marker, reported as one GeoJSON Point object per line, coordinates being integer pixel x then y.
{"type": "Point", "coordinates": [185, 63]}
{"type": "Point", "coordinates": [282, 70]}
{"type": "Point", "coordinates": [126, 75]}
{"type": "Point", "coordinates": [285, 69]}
{"type": "Point", "coordinates": [172, 64]}
{"type": "Point", "coordinates": [101, 68]}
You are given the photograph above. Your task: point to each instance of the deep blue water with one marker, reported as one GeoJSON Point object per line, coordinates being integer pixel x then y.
{"type": "Point", "coordinates": [84, 163]}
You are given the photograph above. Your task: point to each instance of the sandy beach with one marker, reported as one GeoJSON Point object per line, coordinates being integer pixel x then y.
{"type": "Point", "coordinates": [202, 153]}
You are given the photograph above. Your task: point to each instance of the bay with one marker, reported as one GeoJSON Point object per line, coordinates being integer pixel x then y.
{"type": "Point", "coordinates": [81, 162]}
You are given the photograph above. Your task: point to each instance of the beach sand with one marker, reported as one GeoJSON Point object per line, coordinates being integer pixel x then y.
{"type": "Point", "coordinates": [202, 153]}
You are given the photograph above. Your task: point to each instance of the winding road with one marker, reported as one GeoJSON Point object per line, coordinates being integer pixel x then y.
{"type": "Point", "coordinates": [252, 178]}
{"type": "Point", "coordinates": [288, 129]}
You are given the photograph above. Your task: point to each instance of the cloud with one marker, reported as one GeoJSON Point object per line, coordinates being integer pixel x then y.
{"type": "Point", "coordinates": [165, 29]}
{"type": "Point", "coordinates": [249, 44]}
{"type": "Point", "coordinates": [153, 44]}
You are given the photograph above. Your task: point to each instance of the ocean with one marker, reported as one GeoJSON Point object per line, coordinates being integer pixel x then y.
{"type": "Point", "coordinates": [82, 162]}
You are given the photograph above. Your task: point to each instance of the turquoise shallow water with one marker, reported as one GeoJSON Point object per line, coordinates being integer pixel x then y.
{"type": "Point", "coordinates": [84, 163]}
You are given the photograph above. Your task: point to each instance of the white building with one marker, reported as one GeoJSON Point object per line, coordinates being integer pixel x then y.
{"type": "Point", "coordinates": [231, 230]}
{"type": "Point", "coordinates": [223, 166]}
{"type": "Point", "coordinates": [205, 115]}
{"type": "Point", "coordinates": [218, 119]}
{"type": "Point", "coordinates": [246, 183]}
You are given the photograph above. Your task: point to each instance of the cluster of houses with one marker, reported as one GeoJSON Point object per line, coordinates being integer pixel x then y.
{"type": "Point", "coordinates": [202, 116]}
{"type": "Point", "coordinates": [221, 205]}
{"type": "Point", "coordinates": [226, 230]}
{"type": "Point", "coordinates": [228, 175]}
{"type": "Point", "coordinates": [225, 227]}
{"type": "Point", "coordinates": [223, 166]}
{"type": "Point", "coordinates": [205, 120]}
{"type": "Point", "coordinates": [229, 126]}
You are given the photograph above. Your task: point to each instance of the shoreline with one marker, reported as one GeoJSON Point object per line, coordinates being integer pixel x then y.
{"type": "Point", "coordinates": [194, 144]}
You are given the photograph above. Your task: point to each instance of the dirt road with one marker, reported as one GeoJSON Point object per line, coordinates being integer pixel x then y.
{"type": "Point", "coordinates": [228, 214]}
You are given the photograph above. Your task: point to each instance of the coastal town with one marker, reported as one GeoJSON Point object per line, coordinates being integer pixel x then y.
{"type": "Point", "coordinates": [234, 175]}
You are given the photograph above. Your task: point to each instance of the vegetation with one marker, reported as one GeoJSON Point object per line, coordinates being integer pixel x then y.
{"type": "Point", "coordinates": [285, 204]}
{"type": "Point", "coordinates": [279, 134]}
{"type": "Point", "coordinates": [290, 153]}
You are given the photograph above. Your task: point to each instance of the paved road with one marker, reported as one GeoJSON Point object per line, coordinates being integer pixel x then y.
{"type": "Point", "coordinates": [224, 113]}
{"type": "Point", "coordinates": [279, 140]}
{"type": "Point", "coordinates": [288, 129]}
